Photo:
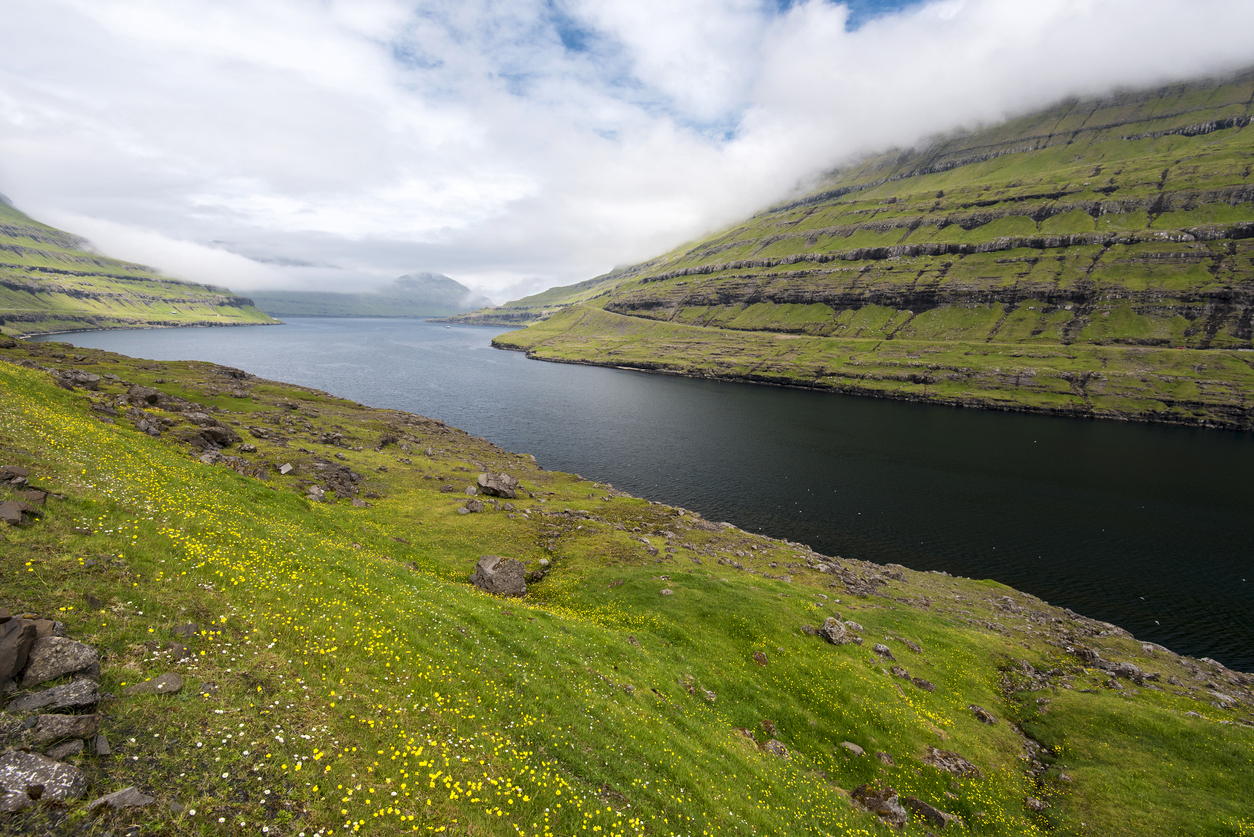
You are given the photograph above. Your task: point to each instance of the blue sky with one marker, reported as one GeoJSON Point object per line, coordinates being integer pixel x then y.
{"type": "Point", "coordinates": [514, 144]}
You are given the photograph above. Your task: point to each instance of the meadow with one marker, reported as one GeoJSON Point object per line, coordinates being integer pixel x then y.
{"type": "Point", "coordinates": [345, 677]}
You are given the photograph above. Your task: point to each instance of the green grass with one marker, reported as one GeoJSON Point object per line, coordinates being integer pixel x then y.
{"type": "Point", "coordinates": [352, 661]}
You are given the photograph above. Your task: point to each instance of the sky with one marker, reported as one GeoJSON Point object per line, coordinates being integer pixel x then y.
{"type": "Point", "coordinates": [515, 145]}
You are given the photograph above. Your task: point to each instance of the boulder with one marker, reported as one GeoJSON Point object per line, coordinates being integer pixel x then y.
{"type": "Point", "coordinates": [500, 576]}
{"type": "Point", "coordinates": [50, 729]}
{"type": "Point", "coordinates": [65, 749]}
{"type": "Point", "coordinates": [39, 777]}
{"type": "Point", "coordinates": [13, 512]}
{"type": "Point", "coordinates": [165, 684]}
{"type": "Point", "coordinates": [883, 803]}
{"type": "Point", "coordinates": [55, 656]}
{"type": "Point", "coordinates": [884, 651]}
{"type": "Point", "coordinates": [80, 694]}
{"type": "Point", "coordinates": [852, 748]}
{"type": "Point", "coordinates": [834, 631]}
{"type": "Point", "coordinates": [983, 715]}
{"type": "Point", "coordinates": [951, 763]}
{"type": "Point", "coordinates": [498, 485]}
{"type": "Point", "coordinates": [125, 798]}
{"type": "Point", "coordinates": [776, 748]}
{"type": "Point", "coordinates": [473, 506]}
{"type": "Point", "coordinates": [16, 638]}
{"type": "Point", "coordinates": [932, 814]}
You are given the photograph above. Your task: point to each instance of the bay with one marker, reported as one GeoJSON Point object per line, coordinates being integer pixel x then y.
{"type": "Point", "coordinates": [1148, 527]}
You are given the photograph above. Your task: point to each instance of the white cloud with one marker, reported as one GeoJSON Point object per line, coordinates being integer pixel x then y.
{"type": "Point", "coordinates": [519, 144]}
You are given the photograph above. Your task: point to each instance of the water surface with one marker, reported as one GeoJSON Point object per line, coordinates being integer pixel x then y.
{"type": "Point", "coordinates": [1145, 526]}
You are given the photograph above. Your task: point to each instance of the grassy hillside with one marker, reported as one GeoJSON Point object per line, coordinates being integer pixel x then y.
{"type": "Point", "coordinates": [346, 678]}
{"type": "Point", "coordinates": [1121, 222]}
{"type": "Point", "coordinates": [52, 281]}
{"type": "Point", "coordinates": [413, 295]}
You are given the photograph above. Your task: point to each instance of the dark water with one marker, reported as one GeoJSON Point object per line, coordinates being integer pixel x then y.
{"type": "Point", "coordinates": [1151, 528]}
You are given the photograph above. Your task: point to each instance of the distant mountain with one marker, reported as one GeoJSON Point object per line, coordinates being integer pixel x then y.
{"type": "Point", "coordinates": [411, 295]}
{"type": "Point", "coordinates": [1093, 258]}
{"type": "Point", "coordinates": [52, 281]}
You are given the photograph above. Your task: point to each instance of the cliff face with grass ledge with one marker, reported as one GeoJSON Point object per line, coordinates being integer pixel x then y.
{"type": "Point", "coordinates": [302, 564]}
{"type": "Point", "coordinates": [53, 281]}
{"type": "Point", "coordinates": [1093, 259]}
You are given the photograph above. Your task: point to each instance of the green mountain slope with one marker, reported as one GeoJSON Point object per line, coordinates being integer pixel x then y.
{"type": "Point", "coordinates": [1124, 223]}
{"type": "Point", "coordinates": [52, 281]}
{"type": "Point", "coordinates": [342, 675]}
{"type": "Point", "coordinates": [412, 295]}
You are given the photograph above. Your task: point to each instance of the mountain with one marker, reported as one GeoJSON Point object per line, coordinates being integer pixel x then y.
{"type": "Point", "coordinates": [1094, 259]}
{"type": "Point", "coordinates": [53, 281]}
{"type": "Point", "coordinates": [412, 295]}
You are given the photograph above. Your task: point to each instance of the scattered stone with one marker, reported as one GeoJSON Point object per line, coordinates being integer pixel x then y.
{"type": "Point", "coordinates": [359, 503]}
{"type": "Point", "coordinates": [49, 729]}
{"type": "Point", "coordinates": [776, 748]}
{"type": "Point", "coordinates": [1127, 670]}
{"type": "Point", "coordinates": [186, 631]}
{"type": "Point", "coordinates": [54, 656]}
{"type": "Point", "coordinates": [473, 506]}
{"type": "Point", "coordinates": [885, 758]}
{"type": "Point", "coordinates": [100, 745]}
{"type": "Point", "coordinates": [852, 748]}
{"type": "Point", "coordinates": [286, 468]}
{"type": "Point", "coordinates": [883, 803]}
{"type": "Point", "coordinates": [471, 490]}
{"type": "Point", "coordinates": [500, 576]}
{"type": "Point", "coordinates": [913, 647]}
{"type": "Point", "coordinates": [317, 494]}
{"type": "Point", "coordinates": [834, 631]}
{"type": "Point", "coordinates": [666, 592]}
{"type": "Point", "coordinates": [165, 684]}
{"type": "Point", "coordinates": [932, 814]}
{"type": "Point", "coordinates": [983, 715]}
{"type": "Point", "coordinates": [1034, 804]}
{"type": "Point", "coordinates": [125, 798]}
{"type": "Point", "coordinates": [498, 485]}
{"type": "Point", "coordinates": [760, 658]}
{"type": "Point", "coordinates": [884, 651]}
{"type": "Point", "coordinates": [80, 694]}
{"type": "Point", "coordinates": [63, 751]}
{"type": "Point", "coordinates": [16, 638]}
{"type": "Point", "coordinates": [208, 688]}
{"type": "Point", "coordinates": [809, 630]}
{"type": "Point", "coordinates": [951, 763]}
{"type": "Point", "coordinates": [925, 685]}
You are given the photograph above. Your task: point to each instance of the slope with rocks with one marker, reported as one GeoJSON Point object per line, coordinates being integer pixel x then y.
{"type": "Point", "coordinates": [301, 565]}
{"type": "Point", "coordinates": [1115, 234]}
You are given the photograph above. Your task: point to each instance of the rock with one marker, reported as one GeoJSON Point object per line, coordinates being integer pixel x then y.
{"type": "Point", "coordinates": [286, 468]}
{"type": "Point", "coordinates": [809, 630]}
{"type": "Point", "coordinates": [666, 592]}
{"type": "Point", "coordinates": [317, 494]}
{"type": "Point", "coordinates": [852, 748]}
{"type": "Point", "coordinates": [186, 631]}
{"type": "Point", "coordinates": [247, 448]}
{"type": "Point", "coordinates": [885, 758]}
{"type": "Point", "coordinates": [983, 715]}
{"type": "Point", "coordinates": [834, 631]}
{"type": "Point", "coordinates": [165, 684]}
{"type": "Point", "coordinates": [80, 694]}
{"type": "Point", "coordinates": [358, 503]}
{"type": "Point", "coordinates": [125, 798]}
{"type": "Point", "coordinates": [884, 651]}
{"type": "Point", "coordinates": [55, 656]}
{"type": "Point", "coordinates": [1127, 670]}
{"type": "Point", "coordinates": [883, 803]}
{"type": "Point", "coordinates": [925, 685]}
{"type": "Point", "coordinates": [100, 745]}
{"type": "Point", "coordinates": [16, 638]}
{"type": "Point", "coordinates": [13, 512]}
{"type": "Point", "coordinates": [473, 506]}
{"type": "Point", "coordinates": [933, 815]}
{"type": "Point", "coordinates": [768, 726]}
{"type": "Point", "coordinates": [759, 658]}
{"type": "Point", "coordinates": [1034, 804]}
{"type": "Point", "coordinates": [498, 485]}
{"type": "Point", "coordinates": [66, 749]}
{"type": "Point", "coordinates": [500, 576]}
{"type": "Point", "coordinates": [471, 490]}
{"type": "Point", "coordinates": [49, 729]}
{"type": "Point", "coordinates": [951, 763]}
{"type": "Point", "coordinates": [11, 802]}
{"type": "Point", "coordinates": [776, 748]}
{"type": "Point", "coordinates": [854, 626]}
